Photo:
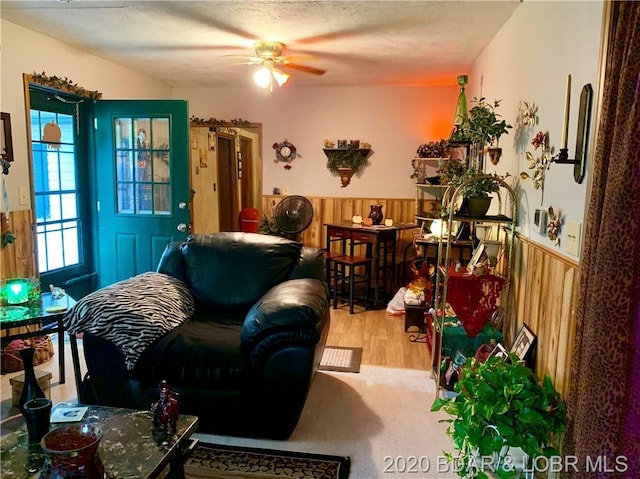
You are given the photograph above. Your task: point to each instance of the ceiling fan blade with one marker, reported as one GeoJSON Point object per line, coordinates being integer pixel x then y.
{"type": "Point", "coordinates": [297, 58]}
{"type": "Point", "coordinates": [183, 48]}
{"type": "Point", "coordinates": [250, 62]}
{"type": "Point", "coordinates": [60, 6]}
{"type": "Point", "coordinates": [246, 57]}
{"type": "Point", "coordinates": [196, 13]}
{"type": "Point", "coordinates": [304, 68]}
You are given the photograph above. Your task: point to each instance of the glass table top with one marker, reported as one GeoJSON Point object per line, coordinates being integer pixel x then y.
{"type": "Point", "coordinates": [128, 449]}
{"type": "Point", "coordinates": [44, 309]}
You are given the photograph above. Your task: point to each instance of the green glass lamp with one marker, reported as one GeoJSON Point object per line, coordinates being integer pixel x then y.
{"type": "Point", "coordinates": [17, 291]}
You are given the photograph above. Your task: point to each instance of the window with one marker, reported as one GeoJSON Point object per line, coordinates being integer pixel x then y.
{"type": "Point", "coordinates": [142, 171]}
{"type": "Point", "coordinates": [60, 182]}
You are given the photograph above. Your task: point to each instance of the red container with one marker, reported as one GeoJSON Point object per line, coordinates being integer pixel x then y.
{"type": "Point", "coordinates": [72, 452]}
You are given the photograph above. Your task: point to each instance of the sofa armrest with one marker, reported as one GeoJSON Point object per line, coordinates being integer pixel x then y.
{"type": "Point", "coordinates": [293, 309]}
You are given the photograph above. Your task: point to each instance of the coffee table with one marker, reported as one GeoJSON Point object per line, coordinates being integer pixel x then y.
{"type": "Point", "coordinates": [127, 448]}
{"type": "Point", "coordinates": [47, 323]}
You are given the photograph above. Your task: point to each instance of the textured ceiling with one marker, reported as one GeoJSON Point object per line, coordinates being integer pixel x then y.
{"type": "Point", "coordinates": [193, 43]}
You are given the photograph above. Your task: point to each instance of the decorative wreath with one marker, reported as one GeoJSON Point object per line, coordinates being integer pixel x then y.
{"type": "Point", "coordinates": [285, 152]}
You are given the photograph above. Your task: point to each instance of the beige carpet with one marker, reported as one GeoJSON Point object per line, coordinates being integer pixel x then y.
{"type": "Point", "coordinates": [379, 418]}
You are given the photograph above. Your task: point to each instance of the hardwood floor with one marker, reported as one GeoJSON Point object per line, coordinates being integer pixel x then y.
{"type": "Point", "coordinates": [381, 337]}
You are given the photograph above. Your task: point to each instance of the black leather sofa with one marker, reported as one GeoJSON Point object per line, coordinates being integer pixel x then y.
{"type": "Point", "coordinates": [244, 361]}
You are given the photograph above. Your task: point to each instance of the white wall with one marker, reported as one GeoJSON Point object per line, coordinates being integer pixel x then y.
{"type": "Point", "coordinates": [529, 60]}
{"type": "Point", "coordinates": [394, 120]}
{"type": "Point", "coordinates": [24, 51]}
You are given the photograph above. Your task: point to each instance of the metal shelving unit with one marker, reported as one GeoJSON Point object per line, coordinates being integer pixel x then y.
{"type": "Point", "coordinates": [504, 222]}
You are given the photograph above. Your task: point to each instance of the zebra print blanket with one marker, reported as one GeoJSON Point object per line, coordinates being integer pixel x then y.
{"type": "Point", "coordinates": [133, 313]}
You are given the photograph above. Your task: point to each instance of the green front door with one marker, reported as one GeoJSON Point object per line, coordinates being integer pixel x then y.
{"type": "Point", "coordinates": [142, 183]}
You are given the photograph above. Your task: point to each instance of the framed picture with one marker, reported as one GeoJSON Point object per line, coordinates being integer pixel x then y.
{"type": "Point", "coordinates": [500, 352]}
{"type": "Point", "coordinates": [523, 345]}
{"type": "Point", "coordinates": [475, 257]}
{"type": "Point", "coordinates": [6, 143]}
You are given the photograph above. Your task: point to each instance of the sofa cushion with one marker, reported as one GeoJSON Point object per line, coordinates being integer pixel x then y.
{"type": "Point", "coordinates": [197, 354]}
{"type": "Point", "coordinates": [133, 313]}
{"type": "Point", "coordinates": [233, 270]}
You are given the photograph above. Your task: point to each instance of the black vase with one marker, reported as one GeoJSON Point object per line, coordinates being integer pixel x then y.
{"type": "Point", "coordinates": [30, 389]}
{"type": "Point", "coordinates": [376, 214]}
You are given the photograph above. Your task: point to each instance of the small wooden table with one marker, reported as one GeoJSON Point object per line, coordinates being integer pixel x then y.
{"type": "Point", "coordinates": [46, 323]}
{"type": "Point", "coordinates": [380, 244]}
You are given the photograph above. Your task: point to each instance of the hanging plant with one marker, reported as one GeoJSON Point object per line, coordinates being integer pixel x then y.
{"type": "Point", "coordinates": [352, 158]}
{"type": "Point", "coordinates": [485, 125]}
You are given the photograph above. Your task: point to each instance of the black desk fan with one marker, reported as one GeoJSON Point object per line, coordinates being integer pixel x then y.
{"type": "Point", "coordinates": [293, 215]}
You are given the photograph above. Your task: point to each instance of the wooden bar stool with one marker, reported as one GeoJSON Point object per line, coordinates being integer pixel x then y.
{"type": "Point", "coordinates": [329, 256]}
{"type": "Point", "coordinates": [344, 275]}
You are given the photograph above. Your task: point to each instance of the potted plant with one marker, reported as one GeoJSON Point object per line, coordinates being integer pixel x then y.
{"type": "Point", "coordinates": [485, 127]}
{"type": "Point", "coordinates": [476, 189]}
{"type": "Point", "coordinates": [452, 169]}
{"type": "Point", "coordinates": [345, 162]}
{"type": "Point", "coordinates": [501, 405]}
{"type": "Point", "coordinates": [432, 149]}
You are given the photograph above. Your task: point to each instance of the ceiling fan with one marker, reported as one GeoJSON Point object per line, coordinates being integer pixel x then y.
{"type": "Point", "coordinates": [269, 56]}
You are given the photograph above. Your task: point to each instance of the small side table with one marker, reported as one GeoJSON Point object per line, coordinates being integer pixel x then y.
{"type": "Point", "coordinates": [49, 322]}
{"type": "Point", "coordinates": [414, 316]}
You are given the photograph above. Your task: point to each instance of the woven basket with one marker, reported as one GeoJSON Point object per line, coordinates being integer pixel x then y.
{"type": "Point", "coordinates": [10, 360]}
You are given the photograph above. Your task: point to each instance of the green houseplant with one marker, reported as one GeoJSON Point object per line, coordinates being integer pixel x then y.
{"type": "Point", "coordinates": [476, 188]}
{"type": "Point", "coordinates": [432, 149]}
{"type": "Point", "coordinates": [485, 126]}
{"type": "Point", "coordinates": [501, 405]}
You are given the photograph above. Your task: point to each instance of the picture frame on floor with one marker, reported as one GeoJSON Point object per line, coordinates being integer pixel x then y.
{"type": "Point", "coordinates": [500, 352]}
{"type": "Point", "coordinates": [524, 345]}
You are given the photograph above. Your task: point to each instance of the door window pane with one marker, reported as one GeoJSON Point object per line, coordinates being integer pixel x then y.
{"type": "Point", "coordinates": [124, 166]}
{"type": "Point", "coordinates": [143, 199]}
{"type": "Point", "coordinates": [123, 132]}
{"type": "Point", "coordinates": [125, 198]}
{"type": "Point", "coordinates": [142, 165]}
{"type": "Point", "coordinates": [161, 199]}
{"type": "Point", "coordinates": [160, 138]}
{"type": "Point", "coordinates": [161, 167]}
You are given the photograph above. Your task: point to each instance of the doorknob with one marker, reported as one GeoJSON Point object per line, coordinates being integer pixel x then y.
{"type": "Point", "coordinates": [182, 227]}
{"type": "Point", "coordinates": [183, 205]}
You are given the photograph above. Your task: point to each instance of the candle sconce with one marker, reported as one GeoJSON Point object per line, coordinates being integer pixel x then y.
{"type": "Point", "coordinates": [582, 137]}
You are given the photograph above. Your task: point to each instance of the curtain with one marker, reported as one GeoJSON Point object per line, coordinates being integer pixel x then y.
{"type": "Point", "coordinates": [604, 400]}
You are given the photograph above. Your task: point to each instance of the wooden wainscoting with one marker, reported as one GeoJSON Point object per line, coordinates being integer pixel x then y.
{"type": "Point", "coordinates": [18, 259]}
{"type": "Point", "coordinates": [545, 293]}
{"type": "Point", "coordinates": [334, 210]}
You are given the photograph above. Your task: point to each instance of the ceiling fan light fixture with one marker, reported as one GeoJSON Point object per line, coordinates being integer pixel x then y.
{"type": "Point", "coordinates": [262, 77]}
{"type": "Point", "coordinates": [280, 77]}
